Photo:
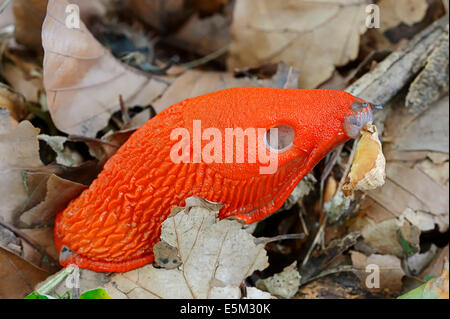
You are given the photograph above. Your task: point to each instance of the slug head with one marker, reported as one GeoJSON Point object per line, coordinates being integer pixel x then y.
{"type": "Point", "coordinates": [308, 123]}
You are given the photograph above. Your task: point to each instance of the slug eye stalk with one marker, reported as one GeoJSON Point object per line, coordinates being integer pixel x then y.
{"type": "Point", "coordinates": [362, 113]}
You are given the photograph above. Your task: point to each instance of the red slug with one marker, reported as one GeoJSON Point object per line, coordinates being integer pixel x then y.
{"type": "Point", "coordinates": [114, 224]}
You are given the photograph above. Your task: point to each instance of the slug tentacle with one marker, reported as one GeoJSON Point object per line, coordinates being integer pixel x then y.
{"type": "Point", "coordinates": [361, 114]}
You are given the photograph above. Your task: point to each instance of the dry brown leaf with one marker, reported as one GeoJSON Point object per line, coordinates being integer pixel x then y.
{"type": "Point", "coordinates": [24, 77]}
{"type": "Point", "coordinates": [49, 195]}
{"type": "Point", "coordinates": [308, 35]}
{"type": "Point", "coordinates": [390, 271]}
{"type": "Point", "coordinates": [64, 155]}
{"type": "Point", "coordinates": [203, 35]}
{"type": "Point", "coordinates": [83, 80]}
{"type": "Point", "coordinates": [429, 132]}
{"type": "Point", "coordinates": [439, 172]}
{"type": "Point", "coordinates": [435, 267]}
{"type": "Point", "coordinates": [216, 257]}
{"type": "Point", "coordinates": [17, 277]}
{"type": "Point", "coordinates": [387, 236]}
{"type": "Point", "coordinates": [163, 15]}
{"type": "Point", "coordinates": [209, 6]}
{"type": "Point", "coordinates": [194, 83]}
{"type": "Point", "coordinates": [408, 188]}
{"type": "Point", "coordinates": [19, 150]}
{"type": "Point", "coordinates": [401, 11]}
{"type": "Point", "coordinates": [29, 16]}
{"type": "Point", "coordinates": [13, 102]}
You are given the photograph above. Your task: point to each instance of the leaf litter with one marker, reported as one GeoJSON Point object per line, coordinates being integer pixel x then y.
{"type": "Point", "coordinates": [400, 224]}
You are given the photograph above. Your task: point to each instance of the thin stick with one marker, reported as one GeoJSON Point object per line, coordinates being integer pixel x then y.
{"type": "Point", "coordinates": [302, 219]}
{"type": "Point", "coordinates": [343, 268]}
{"type": "Point", "coordinates": [348, 164]}
{"type": "Point", "coordinates": [315, 241]}
{"type": "Point", "coordinates": [203, 60]}
{"type": "Point", "coordinates": [125, 115]}
{"type": "Point", "coordinates": [266, 240]}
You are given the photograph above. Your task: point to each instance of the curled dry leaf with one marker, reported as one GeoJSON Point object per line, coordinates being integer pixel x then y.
{"type": "Point", "coordinates": [308, 35]}
{"type": "Point", "coordinates": [216, 258]}
{"type": "Point", "coordinates": [368, 166]}
{"type": "Point", "coordinates": [83, 80]}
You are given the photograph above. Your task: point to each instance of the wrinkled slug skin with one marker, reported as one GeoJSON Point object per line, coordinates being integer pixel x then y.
{"type": "Point", "coordinates": [113, 225]}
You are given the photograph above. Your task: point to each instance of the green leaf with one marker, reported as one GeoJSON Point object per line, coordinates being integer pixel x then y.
{"type": "Point", "coordinates": [416, 293]}
{"type": "Point", "coordinates": [98, 293]}
{"type": "Point", "coordinates": [36, 295]}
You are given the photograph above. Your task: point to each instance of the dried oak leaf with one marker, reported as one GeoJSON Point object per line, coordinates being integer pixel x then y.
{"type": "Point", "coordinates": [83, 80]}
{"type": "Point", "coordinates": [308, 35]}
{"type": "Point", "coordinates": [216, 258]}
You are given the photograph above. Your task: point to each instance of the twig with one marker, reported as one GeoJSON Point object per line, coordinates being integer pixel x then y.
{"type": "Point", "coordinates": [323, 217]}
{"type": "Point", "coordinates": [125, 115]}
{"type": "Point", "coordinates": [203, 60]}
{"type": "Point", "coordinates": [266, 240]}
{"type": "Point", "coordinates": [316, 239]}
{"type": "Point", "coordinates": [343, 268]}
{"type": "Point", "coordinates": [348, 164]}
{"type": "Point", "coordinates": [302, 219]}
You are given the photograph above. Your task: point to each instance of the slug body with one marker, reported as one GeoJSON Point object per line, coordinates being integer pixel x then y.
{"type": "Point", "coordinates": [113, 225]}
